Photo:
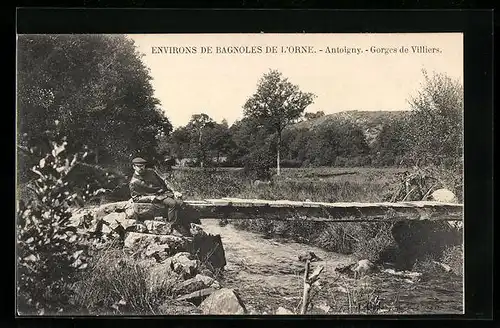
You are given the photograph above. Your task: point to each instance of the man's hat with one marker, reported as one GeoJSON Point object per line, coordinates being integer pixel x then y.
{"type": "Point", "coordinates": [139, 160]}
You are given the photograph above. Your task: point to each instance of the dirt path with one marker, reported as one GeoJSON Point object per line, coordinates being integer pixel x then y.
{"type": "Point", "coordinates": [267, 272]}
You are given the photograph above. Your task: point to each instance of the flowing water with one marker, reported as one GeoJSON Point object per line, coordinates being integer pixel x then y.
{"type": "Point", "coordinates": [268, 274]}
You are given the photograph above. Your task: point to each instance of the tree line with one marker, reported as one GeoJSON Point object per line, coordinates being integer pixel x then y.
{"type": "Point", "coordinates": [96, 91]}
{"type": "Point", "coordinates": [431, 133]}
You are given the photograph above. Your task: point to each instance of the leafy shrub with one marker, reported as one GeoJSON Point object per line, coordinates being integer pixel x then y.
{"type": "Point", "coordinates": [453, 256]}
{"type": "Point", "coordinates": [50, 248]}
{"type": "Point", "coordinates": [372, 247]}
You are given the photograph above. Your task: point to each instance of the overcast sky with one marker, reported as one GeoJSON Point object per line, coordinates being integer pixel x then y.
{"type": "Point", "coordinates": [218, 84]}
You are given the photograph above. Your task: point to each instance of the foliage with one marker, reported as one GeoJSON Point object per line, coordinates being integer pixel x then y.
{"type": "Point", "coordinates": [392, 144]}
{"type": "Point", "coordinates": [428, 135]}
{"type": "Point", "coordinates": [436, 124]}
{"type": "Point", "coordinates": [50, 248]}
{"type": "Point", "coordinates": [454, 257]}
{"type": "Point", "coordinates": [96, 86]}
{"type": "Point", "coordinates": [276, 104]}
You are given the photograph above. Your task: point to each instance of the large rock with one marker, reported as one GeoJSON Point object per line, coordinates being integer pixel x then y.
{"type": "Point", "coordinates": [363, 267]}
{"type": "Point", "coordinates": [161, 277]}
{"type": "Point", "coordinates": [208, 281]}
{"type": "Point", "coordinates": [194, 284]}
{"type": "Point", "coordinates": [158, 252]}
{"type": "Point", "coordinates": [119, 219]}
{"type": "Point", "coordinates": [118, 207]}
{"type": "Point", "coordinates": [209, 250]}
{"type": "Point", "coordinates": [223, 301]}
{"type": "Point", "coordinates": [158, 227]}
{"type": "Point", "coordinates": [184, 264]}
{"type": "Point", "coordinates": [197, 296]}
{"type": "Point", "coordinates": [148, 211]}
{"type": "Point", "coordinates": [444, 195]}
{"type": "Point", "coordinates": [142, 243]}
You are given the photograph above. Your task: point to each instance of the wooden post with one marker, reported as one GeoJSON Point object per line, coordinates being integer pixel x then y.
{"type": "Point", "coordinates": [307, 288]}
{"type": "Point", "coordinates": [309, 280]}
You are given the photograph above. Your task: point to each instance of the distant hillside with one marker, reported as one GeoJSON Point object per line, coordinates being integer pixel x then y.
{"type": "Point", "coordinates": [370, 122]}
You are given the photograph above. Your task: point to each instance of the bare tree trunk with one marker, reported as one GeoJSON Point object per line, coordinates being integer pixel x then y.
{"type": "Point", "coordinates": [307, 288]}
{"type": "Point", "coordinates": [278, 154]}
{"type": "Point", "coordinates": [97, 155]}
{"type": "Point", "coordinates": [202, 155]}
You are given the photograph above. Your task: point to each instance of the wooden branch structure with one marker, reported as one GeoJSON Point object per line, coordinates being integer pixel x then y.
{"type": "Point", "coordinates": [238, 208]}
{"type": "Point", "coordinates": [309, 280]}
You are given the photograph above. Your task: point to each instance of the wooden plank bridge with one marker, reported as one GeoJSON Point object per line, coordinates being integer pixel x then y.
{"type": "Point", "coordinates": [238, 208]}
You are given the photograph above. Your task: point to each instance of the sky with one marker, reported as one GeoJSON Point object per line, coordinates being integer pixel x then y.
{"type": "Point", "coordinates": [219, 83]}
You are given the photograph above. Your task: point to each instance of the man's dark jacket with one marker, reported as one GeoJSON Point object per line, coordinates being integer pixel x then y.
{"type": "Point", "coordinates": [144, 187]}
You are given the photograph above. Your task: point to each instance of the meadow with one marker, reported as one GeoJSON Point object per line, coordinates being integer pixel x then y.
{"type": "Point", "coordinates": [373, 241]}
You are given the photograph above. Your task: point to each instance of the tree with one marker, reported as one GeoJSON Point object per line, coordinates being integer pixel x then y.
{"type": "Point", "coordinates": [97, 89]}
{"type": "Point", "coordinates": [197, 126]}
{"type": "Point", "coordinates": [218, 139]}
{"type": "Point", "coordinates": [391, 144]}
{"type": "Point", "coordinates": [435, 125]}
{"type": "Point", "coordinates": [276, 104]}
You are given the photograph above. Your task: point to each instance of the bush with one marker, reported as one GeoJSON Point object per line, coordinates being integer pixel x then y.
{"type": "Point", "coordinates": [373, 247]}
{"type": "Point", "coordinates": [453, 256]}
{"type": "Point", "coordinates": [50, 249]}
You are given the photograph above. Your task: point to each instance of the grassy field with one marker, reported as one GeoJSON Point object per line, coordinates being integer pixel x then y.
{"type": "Point", "coordinates": [373, 241]}
{"type": "Point", "coordinates": [317, 184]}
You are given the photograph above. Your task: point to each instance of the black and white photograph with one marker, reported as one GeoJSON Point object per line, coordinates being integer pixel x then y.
{"type": "Point", "coordinates": [239, 174]}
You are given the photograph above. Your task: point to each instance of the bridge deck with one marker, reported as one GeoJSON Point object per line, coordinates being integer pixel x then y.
{"type": "Point", "coordinates": [238, 208]}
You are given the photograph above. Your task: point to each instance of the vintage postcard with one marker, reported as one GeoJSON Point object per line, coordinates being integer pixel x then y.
{"type": "Point", "coordinates": [249, 174]}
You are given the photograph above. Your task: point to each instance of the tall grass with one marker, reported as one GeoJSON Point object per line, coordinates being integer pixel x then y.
{"type": "Point", "coordinates": [118, 284]}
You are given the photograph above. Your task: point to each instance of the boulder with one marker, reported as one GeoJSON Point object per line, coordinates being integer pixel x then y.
{"type": "Point", "coordinates": [444, 195]}
{"type": "Point", "coordinates": [194, 284]}
{"type": "Point", "coordinates": [208, 281]}
{"type": "Point", "coordinates": [184, 264]}
{"type": "Point", "coordinates": [188, 286]}
{"type": "Point", "coordinates": [117, 207]}
{"type": "Point", "coordinates": [148, 211]}
{"type": "Point", "coordinates": [116, 219]}
{"type": "Point", "coordinates": [363, 267]}
{"type": "Point", "coordinates": [161, 277]}
{"type": "Point", "coordinates": [143, 243]}
{"type": "Point", "coordinates": [206, 272]}
{"type": "Point", "coordinates": [158, 227]}
{"type": "Point", "coordinates": [197, 296]}
{"type": "Point", "coordinates": [223, 301]}
{"type": "Point", "coordinates": [157, 252]}
{"type": "Point", "coordinates": [209, 250]}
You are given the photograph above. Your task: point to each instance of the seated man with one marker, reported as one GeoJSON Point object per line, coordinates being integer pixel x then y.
{"type": "Point", "coordinates": [146, 186]}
